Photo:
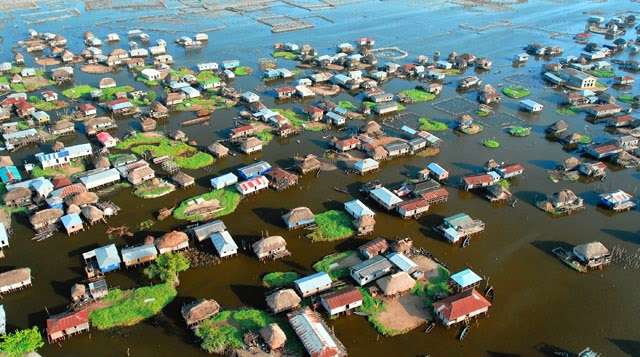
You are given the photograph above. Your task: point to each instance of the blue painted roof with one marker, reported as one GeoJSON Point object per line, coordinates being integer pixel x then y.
{"type": "Point", "coordinates": [121, 106]}
{"type": "Point", "coordinates": [386, 196]}
{"type": "Point", "coordinates": [436, 169]}
{"type": "Point", "coordinates": [228, 179]}
{"type": "Point", "coordinates": [9, 173]}
{"type": "Point", "coordinates": [466, 277]}
{"type": "Point", "coordinates": [107, 256]}
{"type": "Point", "coordinates": [366, 163]}
{"type": "Point", "coordinates": [358, 208]}
{"type": "Point", "coordinates": [70, 220]}
{"type": "Point", "coordinates": [312, 282]}
{"type": "Point", "coordinates": [253, 170]}
{"type": "Point", "coordinates": [401, 261]}
{"type": "Point", "coordinates": [223, 241]}
{"type": "Point", "coordinates": [458, 220]}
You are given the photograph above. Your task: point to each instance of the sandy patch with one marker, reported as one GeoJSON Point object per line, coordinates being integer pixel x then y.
{"type": "Point", "coordinates": [47, 61]}
{"type": "Point", "coordinates": [325, 90]}
{"type": "Point", "coordinates": [152, 134]}
{"type": "Point", "coordinates": [206, 207]}
{"type": "Point", "coordinates": [349, 261]}
{"type": "Point", "coordinates": [40, 81]}
{"type": "Point", "coordinates": [428, 152]}
{"type": "Point", "coordinates": [427, 265]}
{"type": "Point", "coordinates": [95, 68]}
{"type": "Point", "coordinates": [404, 313]}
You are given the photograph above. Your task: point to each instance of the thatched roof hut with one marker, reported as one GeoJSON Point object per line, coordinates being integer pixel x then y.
{"type": "Point", "coordinates": [92, 214]}
{"type": "Point", "coordinates": [46, 217]}
{"type": "Point", "coordinates": [73, 209]}
{"type": "Point", "coordinates": [78, 292]}
{"type": "Point", "coordinates": [298, 216]}
{"type": "Point", "coordinates": [107, 82]}
{"type": "Point", "coordinates": [371, 127]}
{"type": "Point", "coordinates": [283, 300]}
{"type": "Point", "coordinates": [88, 34]}
{"type": "Point", "coordinates": [307, 163]}
{"type": "Point", "coordinates": [379, 153]}
{"type": "Point", "coordinates": [488, 89]}
{"type": "Point", "coordinates": [267, 245]}
{"type": "Point", "coordinates": [10, 280]}
{"type": "Point", "coordinates": [563, 198]}
{"type": "Point", "coordinates": [183, 180]}
{"type": "Point", "coordinates": [497, 192]}
{"type": "Point", "coordinates": [199, 311]}
{"type": "Point", "coordinates": [364, 224]}
{"type": "Point", "coordinates": [6, 161]}
{"type": "Point", "coordinates": [403, 246]}
{"type": "Point", "coordinates": [395, 284]}
{"type": "Point", "coordinates": [570, 164]}
{"type": "Point", "coordinates": [464, 118]}
{"type": "Point", "coordinates": [558, 127]}
{"type": "Point", "coordinates": [171, 241]}
{"type": "Point", "coordinates": [591, 250]}
{"type": "Point", "coordinates": [62, 125]}
{"type": "Point", "coordinates": [17, 194]}
{"type": "Point", "coordinates": [148, 124]}
{"type": "Point", "coordinates": [218, 150]}
{"type": "Point", "coordinates": [83, 199]}
{"type": "Point", "coordinates": [58, 145]}
{"type": "Point", "coordinates": [101, 162]}
{"type": "Point", "coordinates": [273, 336]}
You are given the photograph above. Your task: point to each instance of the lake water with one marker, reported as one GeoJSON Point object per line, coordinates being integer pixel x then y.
{"type": "Point", "coordinates": [538, 300]}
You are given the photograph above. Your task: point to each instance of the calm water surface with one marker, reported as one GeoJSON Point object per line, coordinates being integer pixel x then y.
{"type": "Point", "coordinates": [538, 300]}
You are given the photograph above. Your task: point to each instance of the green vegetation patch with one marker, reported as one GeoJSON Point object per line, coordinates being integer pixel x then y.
{"type": "Point", "coordinates": [373, 307]}
{"type": "Point", "coordinates": [418, 95]}
{"type": "Point", "coordinates": [229, 199]}
{"type": "Point", "coordinates": [217, 338]}
{"type": "Point", "coordinates": [451, 71]}
{"type": "Point", "coordinates": [181, 72]}
{"type": "Point", "coordinates": [504, 183]}
{"type": "Point", "coordinates": [567, 111]}
{"type": "Point", "coordinates": [149, 190]}
{"type": "Point", "coordinates": [109, 93]}
{"type": "Point", "coordinates": [278, 279]}
{"type": "Point", "coordinates": [601, 73]}
{"type": "Point", "coordinates": [66, 170]}
{"type": "Point", "coordinates": [265, 136]}
{"type": "Point", "coordinates": [516, 92]}
{"type": "Point", "coordinates": [584, 140]}
{"type": "Point", "coordinates": [432, 125]}
{"type": "Point", "coordinates": [195, 162]}
{"type": "Point", "coordinates": [347, 105]}
{"type": "Point", "coordinates": [242, 71]}
{"type": "Point", "coordinates": [138, 139]}
{"type": "Point", "coordinates": [185, 156]}
{"type": "Point", "coordinates": [196, 104]}
{"type": "Point", "coordinates": [285, 54]}
{"type": "Point", "coordinates": [131, 307]}
{"type": "Point", "coordinates": [326, 265]}
{"type": "Point", "coordinates": [626, 99]}
{"type": "Point", "coordinates": [520, 131]}
{"type": "Point", "coordinates": [332, 225]}
{"type": "Point", "coordinates": [491, 144]}
{"type": "Point", "coordinates": [167, 267]}
{"type": "Point", "coordinates": [205, 76]}
{"type": "Point", "coordinates": [78, 91]}
{"type": "Point", "coordinates": [21, 342]}
{"type": "Point", "coordinates": [601, 85]}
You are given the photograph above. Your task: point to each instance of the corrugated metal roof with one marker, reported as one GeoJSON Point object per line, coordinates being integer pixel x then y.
{"type": "Point", "coordinates": [223, 241]}
{"type": "Point", "coordinates": [465, 278]}
{"type": "Point", "coordinates": [142, 251]}
{"type": "Point", "coordinates": [312, 282]}
{"type": "Point", "coordinates": [107, 256]}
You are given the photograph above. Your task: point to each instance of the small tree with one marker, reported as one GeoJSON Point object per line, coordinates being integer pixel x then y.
{"type": "Point", "coordinates": [21, 342]}
{"type": "Point", "coordinates": [34, 99]}
{"type": "Point", "coordinates": [151, 95]}
{"type": "Point", "coordinates": [167, 267]}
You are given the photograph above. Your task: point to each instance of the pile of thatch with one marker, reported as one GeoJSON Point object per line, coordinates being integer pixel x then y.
{"type": "Point", "coordinates": [395, 284]}
{"type": "Point", "coordinates": [283, 300]}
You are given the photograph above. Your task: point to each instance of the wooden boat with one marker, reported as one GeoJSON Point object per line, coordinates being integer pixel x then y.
{"type": "Point", "coordinates": [489, 292]}
{"type": "Point", "coordinates": [195, 121]}
{"type": "Point", "coordinates": [430, 327]}
{"type": "Point", "coordinates": [463, 333]}
{"type": "Point", "coordinates": [165, 212]}
{"type": "Point", "coordinates": [360, 313]}
{"type": "Point", "coordinates": [341, 190]}
{"type": "Point", "coordinates": [466, 242]}
{"type": "Point", "coordinates": [513, 204]}
{"type": "Point", "coordinates": [569, 259]}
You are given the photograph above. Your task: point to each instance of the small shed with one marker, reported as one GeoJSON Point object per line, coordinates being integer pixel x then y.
{"type": "Point", "coordinates": [46, 217]}
{"type": "Point", "coordinates": [373, 247]}
{"type": "Point", "coordinates": [464, 280]}
{"type": "Point", "coordinates": [139, 255]}
{"type": "Point", "coordinates": [92, 214]}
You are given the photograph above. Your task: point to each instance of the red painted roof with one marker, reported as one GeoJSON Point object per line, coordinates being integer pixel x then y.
{"type": "Point", "coordinates": [242, 129]}
{"type": "Point", "coordinates": [478, 179]}
{"type": "Point", "coordinates": [86, 107]}
{"type": "Point", "coordinates": [512, 169]}
{"type": "Point", "coordinates": [65, 322]}
{"type": "Point", "coordinates": [431, 195]}
{"type": "Point", "coordinates": [59, 182]}
{"type": "Point", "coordinates": [462, 304]}
{"type": "Point", "coordinates": [23, 105]}
{"type": "Point", "coordinates": [375, 247]}
{"type": "Point", "coordinates": [622, 119]}
{"type": "Point", "coordinates": [414, 204]}
{"type": "Point", "coordinates": [606, 107]}
{"type": "Point", "coordinates": [118, 101]}
{"type": "Point", "coordinates": [347, 142]}
{"type": "Point", "coordinates": [311, 109]}
{"type": "Point", "coordinates": [603, 149]}
{"type": "Point", "coordinates": [342, 297]}
{"type": "Point", "coordinates": [103, 137]}
{"type": "Point", "coordinates": [49, 93]}
{"type": "Point", "coordinates": [72, 190]}
{"type": "Point", "coordinates": [12, 101]}
{"type": "Point", "coordinates": [254, 182]}
{"type": "Point", "coordinates": [285, 89]}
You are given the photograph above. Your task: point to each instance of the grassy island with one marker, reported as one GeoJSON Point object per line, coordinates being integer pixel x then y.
{"type": "Point", "coordinates": [228, 199]}
{"type": "Point", "coordinates": [330, 265]}
{"type": "Point", "coordinates": [347, 105]}
{"type": "Point", "coordinates": [520, 131]}
{"type": "Point", "coordinates": [516, 92]}
{"type": "Point", "coordinates": [432, 125]}
{"type": "Point", "coordinates": [150, 190]}
{"type": "Point", "coordinates": [243, 71]}
{"type": "Point", "coordinates": [285, 54]}
{"type": "Point", "coordinates": [332, 225]}
{"type": "Point", "coordinates": [492, 144]}
{"type": "Point", "coordinates": [128, 307]}
{"type": "Point", "coordinates": [279, 279]}
{"type": "Point", "coordinates": [567, 111]}
{"type": "Point", "coordinates": [185, 156]}
{"type": "Point", "coordinates": [417, 95]}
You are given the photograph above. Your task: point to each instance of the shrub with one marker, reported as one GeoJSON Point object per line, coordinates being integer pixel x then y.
{"type": "Point", "coordinates": [279, 279]}
{"type": "Point", "coordinates": [431, 125]}
{"type": "Point", "coordinates": [332, 225]}
{"type": "Point", "coordinates": [21, 342]}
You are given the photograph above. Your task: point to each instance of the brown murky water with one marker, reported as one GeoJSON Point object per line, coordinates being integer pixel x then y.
{"type": "Point", "coordinates": [538, 300]}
